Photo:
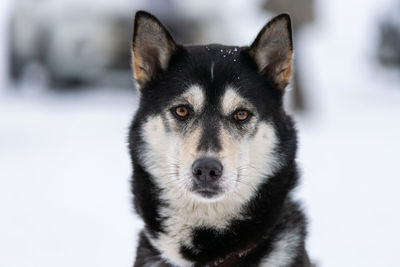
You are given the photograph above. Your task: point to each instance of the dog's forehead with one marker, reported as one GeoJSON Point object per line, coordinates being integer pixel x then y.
{"type": "Point", "coordinates": [217, 64]}
{"type": "Point", "coordinates": [215, 77]}
{"type": "Point", "coordinates": [212, 73]}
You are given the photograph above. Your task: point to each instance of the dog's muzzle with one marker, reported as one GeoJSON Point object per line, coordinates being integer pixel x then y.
{"type": "Point", "coordinates": [206, 173]}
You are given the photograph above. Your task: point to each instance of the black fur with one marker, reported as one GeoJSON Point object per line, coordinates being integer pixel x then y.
{"type": "Point", "coordinates": [271, 211]}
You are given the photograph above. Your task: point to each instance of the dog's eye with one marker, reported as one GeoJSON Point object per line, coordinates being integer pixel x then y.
{"type": "Point", "coordinates": [181, 112]}
{"type": "Point", "coordinates": [241, 115]}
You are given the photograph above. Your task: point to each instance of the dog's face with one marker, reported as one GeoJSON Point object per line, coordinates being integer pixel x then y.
{"type": "Point", "coordinates": [209, 123]}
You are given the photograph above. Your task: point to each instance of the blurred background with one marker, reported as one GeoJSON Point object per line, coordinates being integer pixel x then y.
{"type": "Point", "coordinates": [67, 98]}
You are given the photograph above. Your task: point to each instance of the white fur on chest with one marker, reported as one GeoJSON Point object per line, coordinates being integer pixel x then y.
{"type": "Point", "coordinates": [179, 232]}
{"type": "Point", "coordinates": [185, 214]}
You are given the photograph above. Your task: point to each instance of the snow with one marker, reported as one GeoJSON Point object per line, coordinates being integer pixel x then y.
{"type": "Point", "coordinates": [65, 169]}
{"type": "Point", "coordinates": [349, 142]}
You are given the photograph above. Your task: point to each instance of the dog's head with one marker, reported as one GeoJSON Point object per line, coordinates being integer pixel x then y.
{"type": "Point", "coordinates": [210, 121]}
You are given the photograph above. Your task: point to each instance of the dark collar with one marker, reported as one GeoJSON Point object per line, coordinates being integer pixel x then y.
{"type": "Point", "coordinates": [231, 259]}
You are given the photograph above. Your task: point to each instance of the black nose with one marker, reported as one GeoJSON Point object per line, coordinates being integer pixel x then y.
{"type": "Point", "coordinates": [207, 169]}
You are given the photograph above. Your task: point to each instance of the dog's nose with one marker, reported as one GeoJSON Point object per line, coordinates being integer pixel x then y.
{"type": "Point", "coordinates": [207, 169]}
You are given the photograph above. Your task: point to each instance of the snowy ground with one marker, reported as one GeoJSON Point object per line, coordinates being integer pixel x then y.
{"type": "Point", "coordinates": [64, 165]}
{"type": "Point", "coordinates": [64, 187]}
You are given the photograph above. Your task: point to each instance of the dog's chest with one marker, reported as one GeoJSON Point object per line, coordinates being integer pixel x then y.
{"type": "Point", "coordinates": [180, 223]}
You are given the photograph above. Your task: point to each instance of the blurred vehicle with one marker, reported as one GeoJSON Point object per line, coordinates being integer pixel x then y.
{"type": "Point", "coordinates": [74, 43]}
{"type": "Point", "coordinates": [389, 39]}
{"type": "Point", "coordinates": [81, 42]}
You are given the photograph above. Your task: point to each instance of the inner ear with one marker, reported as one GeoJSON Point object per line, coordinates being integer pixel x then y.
{"type": "Point", "coordinates": [152, 47]}
{"type": "Point", "coordinates": [272, 50]}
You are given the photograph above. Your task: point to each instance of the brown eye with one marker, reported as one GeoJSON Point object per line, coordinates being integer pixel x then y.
{"type": "Point", "coordinates": [182, 111]}
{"type": "Point", "coordinates": [241, 115]}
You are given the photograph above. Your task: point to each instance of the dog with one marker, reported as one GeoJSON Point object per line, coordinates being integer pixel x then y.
{"type": "Point", "coordinates": [213, 151]}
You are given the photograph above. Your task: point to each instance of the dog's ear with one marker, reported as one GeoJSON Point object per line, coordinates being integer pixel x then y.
{"type": "Point", "coordinates": [152, 47]}
{"type": "Point", "coordinates": [272, 50]}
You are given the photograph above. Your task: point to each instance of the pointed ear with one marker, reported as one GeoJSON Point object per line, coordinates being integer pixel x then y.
{"type": "Point", "coordinates": [152, 47]}
{"type": "Point", "coordinates": [272, 50]}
